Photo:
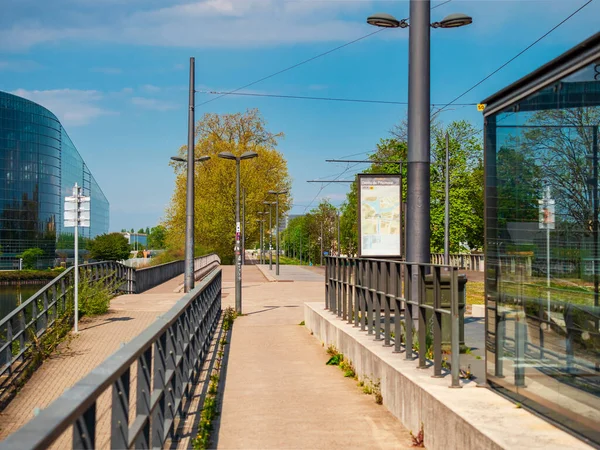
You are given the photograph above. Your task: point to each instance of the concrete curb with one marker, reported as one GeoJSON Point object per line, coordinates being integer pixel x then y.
{"type": "Point", "coordinates": [472, 417]}
{"type": "Point", "coordinates": [266, 273]}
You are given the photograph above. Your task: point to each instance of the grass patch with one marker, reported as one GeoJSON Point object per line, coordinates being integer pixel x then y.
{"type": "Point", "coordinates": [209, 409]}
{"type": "Point", "coordinates": [475, 293]}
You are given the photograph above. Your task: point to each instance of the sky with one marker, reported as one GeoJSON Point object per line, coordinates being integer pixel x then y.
{"type": "Point", "coordinates": [116, 75]}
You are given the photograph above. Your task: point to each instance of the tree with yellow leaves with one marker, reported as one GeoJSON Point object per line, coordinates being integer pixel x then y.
{"type": "Point", "coordinates": [215, 182]}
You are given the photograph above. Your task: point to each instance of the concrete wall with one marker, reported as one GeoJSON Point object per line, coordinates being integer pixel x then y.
{"type": "Point", "coordinates": [468, 418]}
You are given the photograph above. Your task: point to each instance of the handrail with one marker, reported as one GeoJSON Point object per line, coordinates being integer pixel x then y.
{"type": "Point", "coordinates": [40, 312]}
{"type": "Point", "coordinates": [169, 353]}
{"type": "Point", "coordinates": [359, 289]}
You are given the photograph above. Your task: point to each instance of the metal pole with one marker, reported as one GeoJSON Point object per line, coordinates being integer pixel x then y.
{"type": "Point", "coordinates": [595, 220]}
{"type": "Point", "coordinates": [418, 133]}
{"type": "Point", "coordinates": [260, 253]}
{"type": "Point", "coordinates": [243, 226]}
{"type": "Point", "coordinates": [238, 256]}
{"type": "Point", "coordinates": [76, 261]}
{"type": "Point", "coordinates": [300, 248]}
{"type": "Point", "coordinates": [189, 224]}
{"type": "Point", "coordinates": [277, 226]}
{"type": "Point", "coordinates": [270, 237]}
{"type": "Point", "coordinates": [339, 242]}
{"type": "Point", "coordinates": [447, 205]}
{"type": "Point", "coordinates": [401, 217]}
{"type": "Point", "coordinates": [321, 258]}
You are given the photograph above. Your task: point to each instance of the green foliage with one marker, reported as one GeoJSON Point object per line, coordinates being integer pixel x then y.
{"type": "Point", "coordinates": [301, 323]}
{"type": "Point", "coordinates": [95, 297]}
{"type": "Point", "coordinates": [215, 187]}
{"type": "Point", "coordinates": [26, 275]}
{"type": "Point", "coordinates": [157, 237]}
{"type": "Point", "coordinates": [67, 241]}
{"type": "Point", "coordinates": [30, 257]}
{"type": "Point", "coordinates": [109, 247]}
{"type": "Point", "coordinates": [335, 360]}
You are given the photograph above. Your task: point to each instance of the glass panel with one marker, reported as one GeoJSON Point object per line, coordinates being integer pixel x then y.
{"type": "Point", "coordinates": [543, 259]}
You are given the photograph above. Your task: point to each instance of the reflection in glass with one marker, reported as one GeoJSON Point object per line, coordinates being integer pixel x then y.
{"type": "Point", "coordinates": [543, 261]}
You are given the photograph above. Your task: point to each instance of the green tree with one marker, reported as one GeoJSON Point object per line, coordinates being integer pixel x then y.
{"type": "Point", "coordinates": [141, 231]}
{"type": "Point", "coordinates": [157, 237]}
{"type": "Point", "coordinates": [30, 257]}
{"type": "Point", "coordinates": [109, 247]}
{"type": "Point", "coordinates": [215, 199]}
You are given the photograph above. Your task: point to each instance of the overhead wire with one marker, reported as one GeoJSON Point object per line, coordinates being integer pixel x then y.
{"type": "Point", "coordinates": [516, 56]}
{"type": "Point", "coordinates": [320, 55]}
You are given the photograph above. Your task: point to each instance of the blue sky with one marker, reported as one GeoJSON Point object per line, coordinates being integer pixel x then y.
{"type": "Point", "coordinates": [115, 73]}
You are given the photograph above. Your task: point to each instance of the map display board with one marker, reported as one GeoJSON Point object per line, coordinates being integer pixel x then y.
{"type": "Point", "coordinates": [379, 219]}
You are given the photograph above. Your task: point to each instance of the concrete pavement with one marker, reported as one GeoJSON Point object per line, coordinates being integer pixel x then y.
{"type": "Point", "coordinates": [278, 392]}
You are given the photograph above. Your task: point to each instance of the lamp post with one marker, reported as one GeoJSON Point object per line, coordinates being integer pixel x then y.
{"type": "Point", "coordinates": [418, 196]}
{"type": "Point", "coordinates": [237, 249]}
{"type": "Point", "coordinates": [277, 194]}
{"type": "Point", "coordinates": [189, 276]}
{"type": "Point", "coordinates": [270, 233]}
{"type": "Point", "coordinates": [260, 254]}
{"type": "Point", "coordinates": [260, 224]}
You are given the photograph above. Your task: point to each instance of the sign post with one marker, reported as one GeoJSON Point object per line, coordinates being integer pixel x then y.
{"type": "Point", "coordinates": [77, 214]}
{"type": "Point", "coordinates": [547, 220]}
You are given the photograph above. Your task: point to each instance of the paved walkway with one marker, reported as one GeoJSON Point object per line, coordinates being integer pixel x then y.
{"type": "Point", "coordinates": [98, 338]}
{"type": "Point", "coordinates": [278, 391]}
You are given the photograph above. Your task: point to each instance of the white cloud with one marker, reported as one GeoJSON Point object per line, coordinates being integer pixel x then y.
{"type": "Point", "coordinates": [72, 107]}
{"type": "Point", "coordinates": [153, 104]}
{"type": "Point", "coordinates": [206, 23]}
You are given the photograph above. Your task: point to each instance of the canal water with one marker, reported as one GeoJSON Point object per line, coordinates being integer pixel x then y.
{"type": "Point", "coordinates": [12, 295]}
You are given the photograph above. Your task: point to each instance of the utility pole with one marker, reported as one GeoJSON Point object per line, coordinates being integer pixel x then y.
{"type": "Point", "coordinates": [321, 241]}
{"type": "Point", "coordinates": [243, 226]}
{"type": "Point", "coordinates": [339, 241]}
{"type": "Point", "coordinates": [447, 205]}
{"type": "Point", "coordinates": [189, 279]}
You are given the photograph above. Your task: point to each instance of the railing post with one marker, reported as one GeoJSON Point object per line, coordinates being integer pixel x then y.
{"type": "Point", "coordinates": [377, 299]}
{"type": "Point", "coordinates": [344, 263]}
{"type": "Point", "coordinates": [119, 429]}
{"type": "Point", "coordinates": [158, 416]}
{"type": "Point", "coordinates": [437, 323]}
{"type": "Point", "coordinates": [327, 269]}
{"type": "Point", "coordinates": [142, 408]}
{"type": "Point", "coordinates": [363, 294]}
{"type": "Point", "coordinates": [386, 287]}
{"type": "Point", "coordinates": [455, 341]}
{"type": "Point", "coordinates": [397, 291]}
{"type": "Point", "coordinates": [422, 317]}
{"type": "Point", "coordinates": [84, 430]}
{"type": "Point", "coordinates": [369, 291]}
{"type": "Point", "coordinates": [353, 318]}
{"type": "Point", "coordinates": [408, 309]}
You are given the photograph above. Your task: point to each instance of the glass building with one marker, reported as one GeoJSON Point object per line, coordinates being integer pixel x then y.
{"type": "Point", "coordinates": [39, 165]}
{"type": "Point", "coordinates": [542, 167]}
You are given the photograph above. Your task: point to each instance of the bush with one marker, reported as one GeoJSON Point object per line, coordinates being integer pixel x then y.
{"type": "Point", "coordinates": [25, 275]}
{"type": "Point", "coordinates": [31, 256]}
{"type": "Point", "coordinates": [109, 247]}
{"type": "Point", "coordinates": [95, 297]}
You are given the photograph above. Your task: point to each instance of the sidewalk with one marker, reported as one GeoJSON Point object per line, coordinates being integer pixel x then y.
{"type": "Point", "coordinates": [278, 392]}
{"type": "Point", "coordinates": [98, 338]}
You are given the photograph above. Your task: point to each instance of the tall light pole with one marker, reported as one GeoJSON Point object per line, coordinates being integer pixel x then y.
{"type": "Point", "coordinates": [189, 206]}
{"type": "Point", "coordinates": [243, 226]}
{"type": "Point", "coordinates": [189, 277]}
{"type": "Point", "coordinates": [260, 254]}
{"type": "Point", "coordinates": [447, 205]}
{"type": "Point", "coordinates": [237, 249]}
{"type": "Point", "coordinates": [418, 195]}
{"type": "Point", "coordinates": [277, 194]}
{"type": "Point", "coordinates": [270, 233]}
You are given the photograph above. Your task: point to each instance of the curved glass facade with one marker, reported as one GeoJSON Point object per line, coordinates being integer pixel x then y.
{"type": "Point", "coordinates": [39, 166]}
{"type": "Point", "coordinates": [542, 165]}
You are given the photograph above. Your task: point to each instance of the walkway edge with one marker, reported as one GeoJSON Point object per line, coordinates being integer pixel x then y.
{"type": "Point", "coordinates": [471, 417]}
{"type": "Point", "coordinates": [266, 273]}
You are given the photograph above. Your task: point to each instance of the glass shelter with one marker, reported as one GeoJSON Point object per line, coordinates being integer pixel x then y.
{"type": "Point", "coordinates": [542, 167]}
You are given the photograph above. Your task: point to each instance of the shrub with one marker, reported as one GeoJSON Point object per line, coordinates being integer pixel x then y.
{"type": "Point", "coordinates": [31, 256]}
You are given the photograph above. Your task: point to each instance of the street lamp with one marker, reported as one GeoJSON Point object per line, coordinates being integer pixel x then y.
{"type": "Point", "coordinates": [260, 225]}
{"type": "Point", "coordinates": [237, 250]}
{"type": "Point", "coordinates": [277, 194]}
{"type": "Point", "coordinates": [189, 276]}
{"type": "Point", "coordinates": [270, 233]}
{"type": "Point", "coordinates": [262, 220]}
{"type": "Point", "coordinates": [418, 198]}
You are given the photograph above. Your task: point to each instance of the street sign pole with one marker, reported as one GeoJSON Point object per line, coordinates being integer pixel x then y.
{"type": "Point", "coordinates": [546, 220]}
{"type": "Point", "coordinates": [77, 214]}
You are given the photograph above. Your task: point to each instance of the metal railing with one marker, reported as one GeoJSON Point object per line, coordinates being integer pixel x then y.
{"type": "Point", "coordinates": [149, 277]}
{"type": "Point", "coordinates": [468, 261]}
{"type": "Point", "coordinates": [150, 381]}
{"type": "Point", "coordinates": [29, 321]}
{"type": "Point", "coordinates": [358, 290]}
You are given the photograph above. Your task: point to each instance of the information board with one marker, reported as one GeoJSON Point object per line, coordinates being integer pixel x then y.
{"type": "Point", "coordinates": [379, 218]}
